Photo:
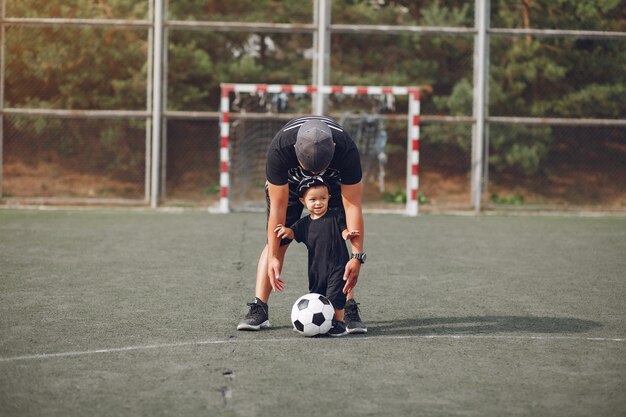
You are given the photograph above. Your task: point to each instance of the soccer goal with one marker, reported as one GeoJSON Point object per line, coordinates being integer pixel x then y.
{"type": "Point", "coordinates": [382, 120]}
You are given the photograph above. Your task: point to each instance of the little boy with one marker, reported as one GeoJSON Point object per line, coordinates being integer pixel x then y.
{"type": "Point", "coordinates": [324, 233]}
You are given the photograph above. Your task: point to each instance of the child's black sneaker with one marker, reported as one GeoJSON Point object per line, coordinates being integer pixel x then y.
{"type": "Point", "coordinates": [257, 317]}
{"type": "Point", "coordinates": [338, 329]}
{"type": "Point", "coordinates": [354, 324]}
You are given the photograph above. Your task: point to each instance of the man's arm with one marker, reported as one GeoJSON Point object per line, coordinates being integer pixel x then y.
{"type": "Point", "coordinates": [352, 196]}
{"type": "Point", "coordinates": [279, 197]}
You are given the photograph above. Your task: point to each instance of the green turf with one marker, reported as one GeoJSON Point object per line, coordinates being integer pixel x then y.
{"type": "Point", "coordinates": [129, 312]}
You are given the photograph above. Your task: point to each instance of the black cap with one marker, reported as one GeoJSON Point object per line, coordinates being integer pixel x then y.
{"type": "Point", "coordinates": [314, 145]}
{"type": "Point", "coordinates": [310, 182]}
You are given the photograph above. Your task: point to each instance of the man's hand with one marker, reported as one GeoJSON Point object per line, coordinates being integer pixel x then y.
{"type": "Point", "coordinates": [273, 271]}
{"type": "Point", "coordinates": [351, 275]}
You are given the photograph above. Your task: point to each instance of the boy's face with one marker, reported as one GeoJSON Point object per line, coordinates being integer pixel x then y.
{"type": "Point", "coordinates": [316, 200]}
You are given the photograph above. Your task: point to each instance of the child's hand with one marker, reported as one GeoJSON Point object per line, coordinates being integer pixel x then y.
{"type": "Point", "coordinates": [283, 232]}
{"type": "Point", "coordinates": [349, 234]}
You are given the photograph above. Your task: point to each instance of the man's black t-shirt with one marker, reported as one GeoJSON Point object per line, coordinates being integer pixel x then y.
{"type": "Point", "coordinates": [328, 253]}
{"type": "Point", "coordinates": [282, 165]}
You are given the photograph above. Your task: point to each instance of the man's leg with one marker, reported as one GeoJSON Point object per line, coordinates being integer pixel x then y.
{"type": "Point", "coordinates": [262, 287]}
{"type": "Point", "coordinates": [258, 315]}
{"type": "Point", "coordinates": [353, 321]}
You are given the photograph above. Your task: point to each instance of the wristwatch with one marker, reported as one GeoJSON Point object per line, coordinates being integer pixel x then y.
{"type": "Point", "coordinates": [360, 256]}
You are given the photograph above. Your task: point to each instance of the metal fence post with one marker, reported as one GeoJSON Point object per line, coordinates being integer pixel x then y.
{"type": "Point", "coordinates": [480, 102]}
{"type": "Point", "coordinates": [322, 53]}
{"type": "Point", "coordinates": [156, 100]}
{"type": "Point", "coordinates": [2, 64]}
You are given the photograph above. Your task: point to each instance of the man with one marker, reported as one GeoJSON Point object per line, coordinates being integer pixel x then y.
{"type": "Point", "coordinates": [305, 147]}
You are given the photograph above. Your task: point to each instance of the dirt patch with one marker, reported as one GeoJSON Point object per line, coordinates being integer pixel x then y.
{"type": "Point", "coordinates": [575, 174]}
{"type": "Point", "coordinates": [52, 179]}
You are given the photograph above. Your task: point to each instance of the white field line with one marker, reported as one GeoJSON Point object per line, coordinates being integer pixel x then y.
{"type": "Point", "coordinates": [39, 356]}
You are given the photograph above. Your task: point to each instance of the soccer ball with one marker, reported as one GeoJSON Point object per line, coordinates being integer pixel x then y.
{"type": "Point", "coordinates": [312, 314]}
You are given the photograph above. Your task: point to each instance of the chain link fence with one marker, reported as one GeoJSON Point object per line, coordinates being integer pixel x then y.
{"type": "Point", "coordinates": [74, 159]}
{"type": "Point", "coordinates": [580, 166]}
{"type": "Point", "coordinates": [192, 163]}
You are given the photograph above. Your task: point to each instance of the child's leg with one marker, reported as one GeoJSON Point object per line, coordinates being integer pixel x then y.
{"type": "Point", "coordinates": [335, 294]}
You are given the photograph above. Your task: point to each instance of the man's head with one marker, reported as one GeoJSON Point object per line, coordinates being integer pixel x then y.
{"type": "Point", "coordinates": [314, 195]}
{"type": "Point", "coordinates": [314, 145]}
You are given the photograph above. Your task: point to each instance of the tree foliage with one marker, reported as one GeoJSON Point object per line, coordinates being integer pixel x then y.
{"type": "Point", "coordinates": [106, 68]}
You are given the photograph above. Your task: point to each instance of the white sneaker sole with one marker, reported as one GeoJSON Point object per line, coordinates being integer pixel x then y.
{"type": "Point", "coordinates": [357, 331]}
{"type": "Point", "coordinates": [245, 326]}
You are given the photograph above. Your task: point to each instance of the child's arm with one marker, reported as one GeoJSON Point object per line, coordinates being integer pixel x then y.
{"type": "Point", "coordinates": [283, 232]}
{"type": "Point", "coordinates": [349, 234]}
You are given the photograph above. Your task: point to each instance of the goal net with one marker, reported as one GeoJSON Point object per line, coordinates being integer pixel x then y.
{"type": "Point", "coordinates": [383, 121]}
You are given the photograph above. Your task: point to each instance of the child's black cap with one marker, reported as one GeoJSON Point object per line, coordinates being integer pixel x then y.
{"type": "Point", "coordinates": [309, 182]}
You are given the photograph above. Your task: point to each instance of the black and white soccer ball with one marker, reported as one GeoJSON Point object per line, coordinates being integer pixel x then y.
{"type": "Point", "coordinates": [312, 314]}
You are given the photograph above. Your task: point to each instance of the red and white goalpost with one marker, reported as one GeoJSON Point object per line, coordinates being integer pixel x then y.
{"type": "Point", "coordinates": [413, 133]}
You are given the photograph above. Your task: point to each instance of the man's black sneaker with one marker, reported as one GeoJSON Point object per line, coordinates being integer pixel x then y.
{"type": "Point", "coordinates": [257, 317]}
{"type": "Point", "coordinates": [338, 329]}
{"type": "Point", "coordinates": [354, 325]}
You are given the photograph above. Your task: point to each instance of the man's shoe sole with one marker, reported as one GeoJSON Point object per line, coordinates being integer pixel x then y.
{"type": "Point", "coordinates": [246, 326]}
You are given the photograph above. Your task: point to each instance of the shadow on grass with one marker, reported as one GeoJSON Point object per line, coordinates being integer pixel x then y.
{"type": "Point", "coordinates": [481, 325]}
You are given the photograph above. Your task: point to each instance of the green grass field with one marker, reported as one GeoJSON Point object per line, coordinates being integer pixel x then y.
{"type": "Point", "coordinates": [119, 312]}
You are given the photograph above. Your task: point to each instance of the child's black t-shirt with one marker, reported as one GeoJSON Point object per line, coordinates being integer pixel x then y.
{"type": "Point", "coordinates": [328, 253]}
